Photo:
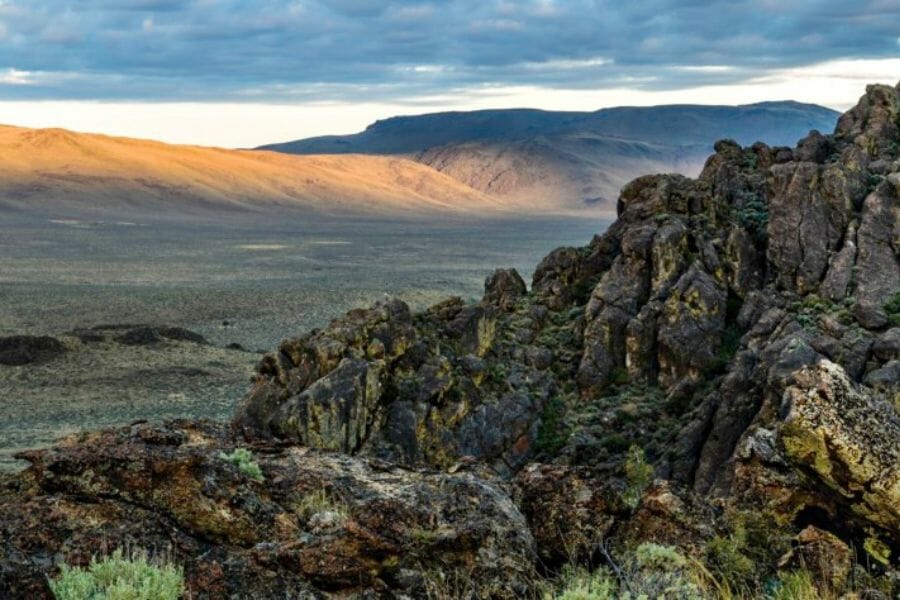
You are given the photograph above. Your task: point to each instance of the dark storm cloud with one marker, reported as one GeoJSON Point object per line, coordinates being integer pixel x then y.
{"type": "Point", "coordinates": [367, 49]}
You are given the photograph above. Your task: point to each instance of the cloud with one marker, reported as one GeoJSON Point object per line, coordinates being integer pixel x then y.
{"type": "Point", "coordinates": [405, 50]}
{"type": "Point", "coordinates": [15, 77]}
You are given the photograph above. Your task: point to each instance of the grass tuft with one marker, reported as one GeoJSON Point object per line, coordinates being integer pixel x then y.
{"type": "Point", "coordinates": [117, 577]}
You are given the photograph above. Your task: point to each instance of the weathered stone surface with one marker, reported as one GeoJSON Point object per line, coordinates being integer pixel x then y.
{"type": "Point", "coordinates": [823, 554]}
{"type": "Point", "coordinates": [847, 439]}
{"type": "Point", "coordinates": [316, 523]}
{"type": "Point", "coordinates": [337, 412]}
{"type": "Point", "coordinates": [690, 331]}
{"type": "Point", "coordinates": [614, 301]}
{"type": "Point", "coordinates": [377, 336]}
{"type": "Point", "coordinates": [886, 378]}
{"type": "Point", "coordinates": [746, 262]}
{"type": "Point", "coordinates": [809, 212]}
{"type": "Point", "coordinates": [872, 123]}
{"type": "Point", "coordinates": [569, 510]}
{"type": "Point", "coordinates": [503, 287]}
{"type": "Point", "coordinates": [887, 346]}
{"type": "Point", "coordinates": [878, 270]}
{"type": "Point", "coordinates": [840, 268]}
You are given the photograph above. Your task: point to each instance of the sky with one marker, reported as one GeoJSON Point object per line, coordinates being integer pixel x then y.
{"type": "Point", "coordinates": [242, 73]}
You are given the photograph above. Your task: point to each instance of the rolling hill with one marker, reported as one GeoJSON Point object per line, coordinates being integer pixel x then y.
{"type": "Point", "coordinates": [62, 173]}
{"type": "Point", "coordinates": [566, 161]}
{"type": "Point", "coordinates": [477, 163]}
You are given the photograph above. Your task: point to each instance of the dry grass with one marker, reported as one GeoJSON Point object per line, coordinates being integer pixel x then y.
{"type": "Point", "coordinates": [63, 169]}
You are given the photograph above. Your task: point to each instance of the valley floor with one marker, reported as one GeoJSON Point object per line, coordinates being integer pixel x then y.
{"type": "Point", "coordinates": [234, 283]}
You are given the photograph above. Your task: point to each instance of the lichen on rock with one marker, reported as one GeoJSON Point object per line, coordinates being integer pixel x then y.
{"type": "Point", "coordinates": [738, 330]}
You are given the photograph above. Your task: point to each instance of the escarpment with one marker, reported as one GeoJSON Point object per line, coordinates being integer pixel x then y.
{"type": "Point", "coordinates": [741, 329]}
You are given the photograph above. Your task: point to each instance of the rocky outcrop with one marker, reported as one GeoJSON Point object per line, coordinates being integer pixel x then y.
{"type": "Point", "coordinates": [682, 329]}
{"type": "Point", "coordinates": [313, 524]}
{"type": "Point", "coordinates": [729, 346]}
{"type": "Point", "coordinates": [453, 382]}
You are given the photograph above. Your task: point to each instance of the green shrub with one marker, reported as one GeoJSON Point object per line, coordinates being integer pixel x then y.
{"type": "Point", "coordinates": [243, 460]}
{"type": "Point", "coordinates": [892, 308]}
{"type": "Point", "coordinates": [638, 475]}
{"type": "Point", "coordinates": [650, 572]}
{"type": "Point", "coordinates": [662, 572]}
{"type": "Point", "coordinates": [581, 584]}
{"type": "Point", "coordinates": [553, 432]}
{"type": "Point", "coordinates": [620, 376]}
{"type": "Point", "coordinates": [795, 585]}
{"type": "Point", "coordinates": [753, 214]}
{"type": "Point", "coordinates": [878, 550]}
{"type": "Point", "coordinates": [725, 557]}
{"type": "Point", "coordinates": [119, 578]}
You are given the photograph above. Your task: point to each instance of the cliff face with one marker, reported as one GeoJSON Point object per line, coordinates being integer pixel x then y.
{"type": "Point", "coordinates": [743, 329]}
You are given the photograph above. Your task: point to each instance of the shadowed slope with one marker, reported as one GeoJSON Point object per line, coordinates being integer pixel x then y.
{"type": "Point", "coordinates": [571, 160]}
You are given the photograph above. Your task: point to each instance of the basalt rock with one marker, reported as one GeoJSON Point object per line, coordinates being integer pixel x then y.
{"type": "Point", "coordinates": [315, 525]}
{"type": "Point", "coordinates": [738, 328]}
{"type": "Point", "coordinates": [679, 329]}
{"type": "Point", "coordinates": [846, 439]}
{"type": "Point", "coordinates": [503, 288]}
{"type": "Point", "coordinates": [427, 391]}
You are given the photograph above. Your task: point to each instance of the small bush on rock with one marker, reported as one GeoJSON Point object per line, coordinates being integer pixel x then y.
{"type": "Point", "coordinates": [243, 460]}
{"type": "Point", "coordinates": [119, 578]}
{"type": "Point", "coordinates": [582, 584]}
{"type": "Point", "coordinates": [650, 572]}
{"type": "Point", "coordinates": [638, 475]}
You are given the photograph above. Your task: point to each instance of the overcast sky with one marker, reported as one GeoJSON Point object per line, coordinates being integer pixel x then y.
{"type": "Point", "coordinates": [241, 73]}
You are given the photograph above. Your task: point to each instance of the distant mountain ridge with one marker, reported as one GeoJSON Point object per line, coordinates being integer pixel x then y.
{"type": "Point", "coordinates": [483, 163]}
{"type": "Point", "coordinates": [776, 123]}
{"type": "Point", "coordinates": [571, 160]}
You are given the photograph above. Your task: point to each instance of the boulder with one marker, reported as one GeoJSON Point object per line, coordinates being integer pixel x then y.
{"type": "Point", "coordinates": [846, 438]}
{"type": "Point", "coordinates": [503, 287]}
{"type": "Point", "coordinates": [570, 510]}
{"type": "Point", "coordinates": [823, 554]}
{"type": "Point", "coordinates": [314, 524]}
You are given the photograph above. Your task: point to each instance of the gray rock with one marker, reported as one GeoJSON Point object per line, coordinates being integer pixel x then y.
{"type": "Point", "coordinates": [813, 148]}
{"type": "Point", "coordinates": [887, 346]}
{"type": "Point", "coordinates": [503, 287]}
{"type": "Point", "coordinates": [840, 269]}
{"type": "Point", "coordinates": [877, 264]}
{"type": "Point", "coordinates": [886, 378]}
{"type": "Point", "coordinates": [691, 327]}
{"type": "Point", "coordinates": [337, 412]}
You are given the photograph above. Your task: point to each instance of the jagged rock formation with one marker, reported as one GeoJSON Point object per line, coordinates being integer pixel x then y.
{"type": "Point", "coordinates": [742, 328]}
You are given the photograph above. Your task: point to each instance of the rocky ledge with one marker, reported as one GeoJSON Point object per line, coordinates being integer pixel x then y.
{"type": "Point", "coordinates": [719, 371]}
